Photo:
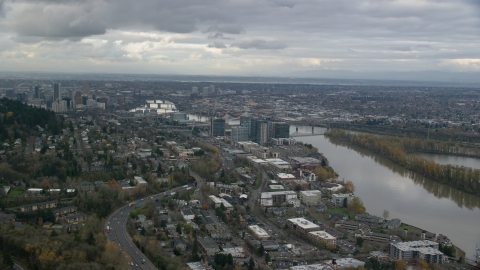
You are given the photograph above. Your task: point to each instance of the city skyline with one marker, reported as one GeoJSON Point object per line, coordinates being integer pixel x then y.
{"type": "Point", "coordinates": [326, 39]}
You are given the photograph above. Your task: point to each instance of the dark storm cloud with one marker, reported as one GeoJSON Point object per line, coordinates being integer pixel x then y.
{"type": "Point", "coordinates": [218, 45]}
{"type": "Point", "coordinates": [260, 45]}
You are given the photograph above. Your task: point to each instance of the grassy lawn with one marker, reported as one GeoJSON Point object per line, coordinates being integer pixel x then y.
{"type": "Point", "coordinates": [16, 191]}
{"type": "Point", "coordinates": [406, 226]}
{"type": "Point", "coordinates": [338, 210]}
{"type": "Point", "coordinates": [258, 182]}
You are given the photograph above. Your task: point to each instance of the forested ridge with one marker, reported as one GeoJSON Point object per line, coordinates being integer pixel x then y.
{"type": "Point", "coordinates": [397, 148]}
{"type": "Point", "coordinates": [17, 120]}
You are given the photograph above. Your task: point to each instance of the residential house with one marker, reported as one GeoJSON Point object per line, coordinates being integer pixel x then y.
{"type": "Point", "coordinates": [369, 219]}
{"type": "Point", "coordinates": [188, 214]}
{"type": "Point", "coordinates": [7, 217]}
{"type": "Point", "coordinates": [321, 207]}
{"type": "Point", "coordinates": [301, 210]}
{"type": "Point", "coordinates": [86, 186]}
{"type": "Point", "coordinates": [392, 224]}
{"type": "Point", "coordinates": [338, 216]}
{"type": "Point", "coordinates": [64, 211]}
{"type": "Point", "coordinates": [37, 206]}
{"type": "Point", "coordinates": [141, 218]}
{"type": "Point", "coordinates": [75, 218]}
{"type": "Point", "coordinates": [278, 211]}
{"type": "Point", "coordinates": [180, 244]}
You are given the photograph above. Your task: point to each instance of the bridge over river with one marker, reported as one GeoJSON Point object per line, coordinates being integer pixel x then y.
{"type": "Point", "coordinates": [304, 134]}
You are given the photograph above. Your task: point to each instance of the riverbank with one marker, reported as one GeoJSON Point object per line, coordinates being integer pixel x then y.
{"type": "Point", "coordinates": [394, 149]}
{"type": "Point", "coordinates": [409, 196]}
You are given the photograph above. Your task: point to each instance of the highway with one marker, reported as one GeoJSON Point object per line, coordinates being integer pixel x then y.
{"type": "Point", "coordinates": [118, 234]}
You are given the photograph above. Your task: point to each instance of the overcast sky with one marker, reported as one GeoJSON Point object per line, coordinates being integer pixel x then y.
{"type": "Point", "coordinates": [241, 37]}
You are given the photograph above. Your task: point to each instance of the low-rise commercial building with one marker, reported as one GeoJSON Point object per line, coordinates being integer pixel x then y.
{"type": "Point", "coordinates": [216, 202]}
{"type": "Point", "coordinates": [311, 197]}
{"type": "Point", "coordinates": [322, 237]}
{"type": "Point", "coordinates": [424, 250]}
{"type": "Point", "coordinates": [339, 199]}
{"type": "Point", "coordinates": [272, 198]}
{"type": "Point", "coordinates": [258, 232]}
{"type": "Point", "coordinates": [302, 225]}
{"type": "Point", "coordinates": [209, 246]}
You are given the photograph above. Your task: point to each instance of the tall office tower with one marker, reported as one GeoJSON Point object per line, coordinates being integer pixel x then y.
{"type": "Point", "coordinates": [86, 88]}
{"type": "Point", "coordinates": [239, 134]}
{"type": "Point", "coordinates": [56, 91]}
{"type": "Point", "coordinates": [78, 98]}
{"type": "Point", "coordinates": [37, 92]}
{"type": "Point", "coordinates": [246, 121]}
{"type": "Point", "coordinates": [217, 127]}
{"type": "Point", "coordinates": [278, 130]}
{"type": "Point", "coordinates": [261, 136]}
{"type": "Point", "coordinates": [68, 102]}
{"type": "Point", "coordinates": [10, 93]}
{"type": "Point", "coordinates": [194, 90]}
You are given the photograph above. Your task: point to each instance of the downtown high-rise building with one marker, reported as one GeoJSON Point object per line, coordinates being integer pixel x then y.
{"type": "Point", "coordinates": [56, 91]}
{"type": "Point", "coordinates": [86, 88]}
{"type": "Point", "coordinates": [217, 127]}
{"type": "Point", "coordinates": [240, 134]}
{"type": "Point", "coordinates": [36, 94]}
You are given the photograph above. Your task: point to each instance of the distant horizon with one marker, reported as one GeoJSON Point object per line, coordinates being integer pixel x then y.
{"type": "Point", "coordinates": [470, 79]}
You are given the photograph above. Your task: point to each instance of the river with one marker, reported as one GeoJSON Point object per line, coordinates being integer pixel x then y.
{"type": "Point", "coordinates": [408, 196]}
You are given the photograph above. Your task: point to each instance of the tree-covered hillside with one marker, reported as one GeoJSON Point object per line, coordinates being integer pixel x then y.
{"type": "Point", "coordinates": [18, 120]}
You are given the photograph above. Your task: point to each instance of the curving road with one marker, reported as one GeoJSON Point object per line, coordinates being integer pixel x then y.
{"type": "Point", "coordinates": [118, 233]}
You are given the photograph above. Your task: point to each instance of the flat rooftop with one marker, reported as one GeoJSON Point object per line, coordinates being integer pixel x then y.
{"type": "Point", "coordinates": [285, 176]}
{"type": "Point", "coordinates": [276, 187]}
{"type": "Point", "coordinates": [267, 195]}
{"type": "Point", "coordinates": [405, 246]}
{"type": "Point", "coordinates": [309, 193]}
{"type": "Point", "coordinates": [303, 223]}
{"type": "Point", "coordinates": [258, 231]}
{"type": "Point", "coordinates": [323, 234]}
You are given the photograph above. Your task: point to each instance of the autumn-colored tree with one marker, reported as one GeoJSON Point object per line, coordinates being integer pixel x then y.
{"type": "Point", "coordinates": [321, 173]}
{"type": "Point", "coordinates": [356, 206]}
{"type": "Point", "coordinates": [399, 264]}
{"type": "Point", "coordinates": [424, 265]}
{"type": "Point", "coordinates": [45, 184]}
{"type": "Point", "coordinates": [350, 186]}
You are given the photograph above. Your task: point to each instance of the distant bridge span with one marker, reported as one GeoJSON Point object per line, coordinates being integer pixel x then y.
{"type": "Point", "coordinates": [305, 134]}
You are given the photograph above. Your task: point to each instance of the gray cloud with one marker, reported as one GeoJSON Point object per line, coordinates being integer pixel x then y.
{"type": "Point", "coordinates": [340, 34]}
{"type": "Point", "coordinates": [228, 29]}
{"type": "Point", "coordinates": [218, 45]}
{"type": "Point", "coordinates": [77, 19]}
{"type": "Point", "coordinates": [260, 44]}
{"type": "Point", "coordinates": [402, 49]}
{"type": "Point", "coordinates": [218, 36]}
{"type": "Point", "coordinates": [284, 3]}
